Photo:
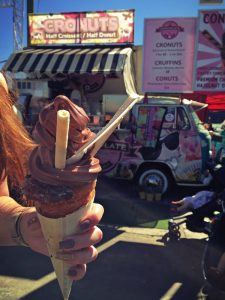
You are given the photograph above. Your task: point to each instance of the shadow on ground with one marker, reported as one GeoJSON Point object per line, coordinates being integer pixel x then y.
{"type": "Point", "coordinates": [133, 269]}
{"type": "Point", "coordinates": [145, 272]}
{"type": "Point", "coordinates": [20, 262]}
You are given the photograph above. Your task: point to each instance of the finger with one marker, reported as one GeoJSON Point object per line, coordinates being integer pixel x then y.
{"type": "Point", "coordinates": [83, 256]}
{"type": "Point", "coordinates": [33, 222]}
{"type": "Point", "coordinates": [37, 242]}
{"type": "Point", "coordinates": [77, 272]}
{"type": "Point", "coordinates": [39, 245]}
{"type": "Point", "coordinates": [31, 231]}
{"type": "Point", "coordinates": [177, 202]}
{"type": "Point", "coordinates": [29, 224]}
{"type": "Point", "coordinates": [80, 241]}
{"type": "Point", "coordinates": [92, 218]}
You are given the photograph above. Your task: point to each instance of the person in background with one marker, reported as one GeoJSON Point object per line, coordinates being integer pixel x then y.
{"type": "Point", "coordinates": [191, 203]}
{"type": "Point", "coordinates": [19, 225]}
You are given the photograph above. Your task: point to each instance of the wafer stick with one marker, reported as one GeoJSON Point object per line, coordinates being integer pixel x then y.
{"type": "Point", "coordinates": [62, 131]}
{"type": "Point", "coordinates": [97, 142]}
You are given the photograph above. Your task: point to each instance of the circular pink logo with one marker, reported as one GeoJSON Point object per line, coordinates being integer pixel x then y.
{"type": "Point", "coordinates": [169, 30]}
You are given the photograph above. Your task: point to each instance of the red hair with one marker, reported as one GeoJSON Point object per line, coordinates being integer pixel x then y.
{"type": "Point", "coordinates": [15, 143]}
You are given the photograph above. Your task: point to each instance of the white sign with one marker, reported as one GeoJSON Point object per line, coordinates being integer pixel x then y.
{"type": "Point", "coordinates": [168, 55]}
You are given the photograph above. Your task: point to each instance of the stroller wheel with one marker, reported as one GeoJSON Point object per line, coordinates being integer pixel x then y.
{"type": "Point", "coordinates": [174, 231]}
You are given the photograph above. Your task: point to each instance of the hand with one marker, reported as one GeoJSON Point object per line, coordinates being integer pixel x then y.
{"type": "Point", "coordinates": [181, 207]}
{"type": "Point", "coordinates": [30, 228]}
{"type": "Point", "coordinates": [77, 249]}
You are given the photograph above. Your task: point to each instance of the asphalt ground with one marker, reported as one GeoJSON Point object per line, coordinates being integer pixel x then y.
{"type": "Point", "coordinates": [137, 261]}
{"type": "Point", "coordinates": [124, 206]}
{"type": "Point", "coordinates": [134, 264]}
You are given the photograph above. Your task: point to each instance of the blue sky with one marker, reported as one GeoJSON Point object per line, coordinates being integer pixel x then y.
{"type": "Point", "coordinates": [143, 9]}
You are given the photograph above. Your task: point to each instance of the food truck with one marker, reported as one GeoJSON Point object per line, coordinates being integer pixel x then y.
{"type": "Point", "coordinates": [160, 142]}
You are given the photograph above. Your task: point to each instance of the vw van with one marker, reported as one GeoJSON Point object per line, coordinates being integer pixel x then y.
{"type": "Point", "coordinates": [160, 143]}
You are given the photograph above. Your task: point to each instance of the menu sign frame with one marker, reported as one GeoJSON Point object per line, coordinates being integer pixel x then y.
{"type": "Point", "coordinates": [168, 55]}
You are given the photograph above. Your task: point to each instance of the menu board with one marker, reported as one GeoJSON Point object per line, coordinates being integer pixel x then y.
{"type": "Point", "coordinates": [168, 55]}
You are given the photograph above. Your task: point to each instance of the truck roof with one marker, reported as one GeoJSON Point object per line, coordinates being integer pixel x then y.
{"type": "Point", "coordinates": [164, 100]}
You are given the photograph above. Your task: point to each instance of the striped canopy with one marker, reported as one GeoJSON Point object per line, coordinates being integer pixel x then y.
{"type": "Point", "coordinates": [51, 61]}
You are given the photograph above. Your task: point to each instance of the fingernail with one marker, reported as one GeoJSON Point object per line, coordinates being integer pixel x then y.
{"type": "Point", "coordinates": [67, 244]}
{"type": "Point", "coordinates": [72, 272]}
{"type": "Point", "coordinates": [85, 225]}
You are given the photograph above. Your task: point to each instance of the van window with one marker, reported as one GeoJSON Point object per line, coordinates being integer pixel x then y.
{"type": "Point", "coordinates": [149, 124]}
{"type": "Point", "coordinates": [182, 119]}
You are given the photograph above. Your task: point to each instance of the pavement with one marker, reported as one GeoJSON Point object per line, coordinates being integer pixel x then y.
{"type": "Point", "coordinates": [133, 264]}
{"type": "Point", "coordinates": [136, 261]}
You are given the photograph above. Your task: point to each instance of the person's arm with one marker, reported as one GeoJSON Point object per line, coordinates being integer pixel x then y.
{"type": "Point", "coordinates": [78, 250]}
{"type": "Point", "coordinates": [216, 136]}
{"type": "Point", "coordinates": [10, 215]}
{"type": "Point", "coordinates": [181, 206]}
{"type": "Point", "coordinates": [4, 189]}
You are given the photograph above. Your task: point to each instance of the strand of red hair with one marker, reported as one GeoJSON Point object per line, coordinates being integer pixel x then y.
{"type": "Point", "coordinates": [15, 142]}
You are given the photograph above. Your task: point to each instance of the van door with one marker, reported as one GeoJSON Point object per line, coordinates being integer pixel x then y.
{"type": "Point", "coordinates": [188, 160]}
{"type": "Point", "coordinates": [168, 137]}
{"type": "Point", "coordinates": [149, 124]}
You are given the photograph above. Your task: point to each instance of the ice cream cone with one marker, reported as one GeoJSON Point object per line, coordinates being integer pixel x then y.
{"type": "Point", "coordinates": [62, 194]}
{"type": "Point", "coordinates": [55, 230]}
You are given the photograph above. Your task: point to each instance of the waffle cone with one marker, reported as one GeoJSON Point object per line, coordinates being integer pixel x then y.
{"type": "Point", "coordinates": [60, 210]}
{"type": "Point", "coordinates": [82, 195]}
{"type": "Point", "coordinates": [55, 230]}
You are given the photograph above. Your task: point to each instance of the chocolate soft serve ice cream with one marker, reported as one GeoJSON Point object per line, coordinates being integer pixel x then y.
{"type": "Point", "coordinates": [62, 196]}
{"type": "Point", "coordinates": [58, 192]}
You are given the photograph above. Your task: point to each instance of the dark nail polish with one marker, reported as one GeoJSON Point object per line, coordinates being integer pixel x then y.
{"type": "Point", "coordinates": [85, 225]}
{"type": "Point", "coordinates": [72, 272]}
{"type": "Point", "coordinates": [67, 244]}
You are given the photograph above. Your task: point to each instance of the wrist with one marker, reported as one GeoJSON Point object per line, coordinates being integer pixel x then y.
{"type": "Point", "coordinates": [16, 233]}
